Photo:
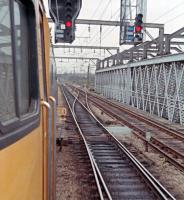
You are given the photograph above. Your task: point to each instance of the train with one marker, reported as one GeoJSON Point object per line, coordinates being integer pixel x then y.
{"type": "Point", "coordinates": [28, 102]}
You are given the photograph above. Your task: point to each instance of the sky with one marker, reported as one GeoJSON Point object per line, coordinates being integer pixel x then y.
{"type": "Point", "coordinates": [168, 12]}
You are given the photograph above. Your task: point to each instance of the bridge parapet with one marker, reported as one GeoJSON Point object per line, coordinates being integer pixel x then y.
{"type": "Point", "coordinates": [167, 44]}
{"type": "Point", "coordinates": [154, 85]}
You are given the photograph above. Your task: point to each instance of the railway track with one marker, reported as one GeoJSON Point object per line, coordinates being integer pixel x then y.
{"type": "Point", "coordinates": [73, 165]}
{"type": "Point", "coordinates": [118, 174]}
{"type": "Point", "coordinates": [167, 141]}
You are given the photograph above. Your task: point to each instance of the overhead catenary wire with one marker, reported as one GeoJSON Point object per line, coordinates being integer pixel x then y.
{"type": "Point", "coordinates": [107, 32]}
{"type": "Point", "coordinates": [105, 9]}
{"type": "Point", "coordinates": [115, 13]}
{"type": "Point", "coordinates": [168, 11]}
{"type": "Point", "coordinates": [172, 19]}
{"type": "Point", "coordinates": [103, 12]}
{"type": "Point", "coordinates": [97, 8]}
{"type": "Point", "coordinates": [111, 29]}
{"type": "Point", "coordinates": [94, 13]}
{"type": "Point", "coordinates": [165, 13]}
{"type": "Point", "coordinates": [96, 34]}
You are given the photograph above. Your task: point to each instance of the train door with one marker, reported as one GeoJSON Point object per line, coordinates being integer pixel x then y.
{"type": "Point", "coordinates": [20, 131]}
{"type": "Point", "coordinates": [45, 107]}
{"type": "Point", "coordinates": [48, 112]}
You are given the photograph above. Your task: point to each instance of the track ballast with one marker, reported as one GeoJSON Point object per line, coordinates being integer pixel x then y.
{"type": "Point", "coordinates": [119, 173]}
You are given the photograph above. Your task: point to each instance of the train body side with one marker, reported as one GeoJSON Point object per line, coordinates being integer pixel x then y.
{"type": "Point", "coordinates": [26, 138]}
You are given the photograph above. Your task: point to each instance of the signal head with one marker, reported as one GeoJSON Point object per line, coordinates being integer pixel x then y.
{"type": "Point", "coordinates": [138, 35]}
{"type": "Point", "coordinates": [138, 29]}
{"type": "Point", "coordinates": [138, 20]}
{"type": "Point", "coordinates": [68, 24]}
{"type": "Point", "coordinates": [140, 15]}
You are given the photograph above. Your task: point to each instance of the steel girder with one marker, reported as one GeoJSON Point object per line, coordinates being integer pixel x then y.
{"type": "Point", "coordinates": [155, 87]}
{"type": "Point", "coordinates": [158, 47]}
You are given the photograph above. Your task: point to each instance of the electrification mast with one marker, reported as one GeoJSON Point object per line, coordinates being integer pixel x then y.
{"type": "Point", "coordinates": [128, 12]}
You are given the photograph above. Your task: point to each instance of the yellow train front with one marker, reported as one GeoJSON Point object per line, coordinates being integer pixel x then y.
{"type": "Point", "coordinates": [27, 106]}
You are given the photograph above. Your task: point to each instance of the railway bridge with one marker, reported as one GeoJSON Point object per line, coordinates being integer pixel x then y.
{"type": "Point", "coordinates": [145, 78]}
{"type": "Point", "coordinates": [125, 98]}
{"type": "Point", "coordinates": [91, 100]}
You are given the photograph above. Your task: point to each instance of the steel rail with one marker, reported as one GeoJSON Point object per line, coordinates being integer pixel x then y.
{"type": "Point", "coordinates": [120, 144]}
{"type": "Point", "coordinates": [161, 191]}
{"type": "Point", "coordinates": [156, 124]}
{"type": "Point", "coordinates": [158, 185]}
{"type": "Point", "coordinates": [93, 160]}
{"type": "Point", "coordinates": [152, 122]}
{"type": "Point", "coordinates": [86, 146]}
{"type": "Point", "coordinates": [138, 132]}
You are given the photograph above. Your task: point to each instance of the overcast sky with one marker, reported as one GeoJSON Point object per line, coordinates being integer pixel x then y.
{"type": "Point", "coordinates": [169, 12]}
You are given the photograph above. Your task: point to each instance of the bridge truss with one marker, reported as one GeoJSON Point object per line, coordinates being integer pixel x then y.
{"type": "Point", "coordinates": [150, 79]}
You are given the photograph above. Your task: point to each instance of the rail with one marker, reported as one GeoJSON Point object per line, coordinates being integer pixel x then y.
{"type": "Point", "coordinates": [122, 114]}
{"type": "Point", "coordinates": [87, 148]}
{"type": "Point", "coordinates": [161, 192]}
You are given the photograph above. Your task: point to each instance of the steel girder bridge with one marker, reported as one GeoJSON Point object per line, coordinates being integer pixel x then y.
{"type": "Point", "coordinates": [149, 77]}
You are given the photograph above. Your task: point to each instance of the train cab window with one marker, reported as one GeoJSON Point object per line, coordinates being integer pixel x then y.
{"type": "Point", "coordinates": [21, 56]}
{"type": "Point", "coordinates": [7, 91]}
{"type": "Point", "coordinates": [19, 108]}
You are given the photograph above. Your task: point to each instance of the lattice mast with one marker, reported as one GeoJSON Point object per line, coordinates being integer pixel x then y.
{"type": "Point", "coordinates": [128, 11]}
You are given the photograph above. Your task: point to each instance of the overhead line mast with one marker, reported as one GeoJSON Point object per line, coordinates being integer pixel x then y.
{"type": "Point", "coordinates": [130, 10]}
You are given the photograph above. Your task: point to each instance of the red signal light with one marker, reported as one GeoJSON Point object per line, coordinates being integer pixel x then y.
{"type": "Point", "coordinates": [68, 24]}
{"type": "Point", "coordinates": [138, 29]}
